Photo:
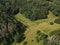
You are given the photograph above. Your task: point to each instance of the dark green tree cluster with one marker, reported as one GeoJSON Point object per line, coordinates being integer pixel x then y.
{"type": "Point", "coordinates": [9, 7]}
{"type": "Point", "coordinates": [57, 21]}
{"type": "Point", "coordinates": [34, 9]}
{"type": "Point", "coordinates": [9, 26]}
{"type": "Point", "coordinates": [55, 9]}
{"type": "Point", "coordinates": [39, 9]}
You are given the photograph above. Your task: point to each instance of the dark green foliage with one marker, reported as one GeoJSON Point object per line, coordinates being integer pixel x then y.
{"type": "Point", "coordinates": [9, 26]}
{"type": "Point", "coordinates": [9, 29]}
{"type": "Point", "coordinates": [43, 36]}
{"type": "Point", "coordinates": [25, 43]}
{"type": "Point", "coordinates": [55, 1]}
{"type": "Point", "coordinates": [32, 40]}
{"type": "Point", "coordinates": [55, 8]}
{"type": "Point", "coordinates": [55, 32]}
{"type": "Point", "coordinates": [37, 39]}
{"type": "Point", "coordinates": [34, 10]}
{"type": "Point", "coordinates": [51, 23]}
{"type": "Point", "coordinates": [38, 32]}
{"type": "Point", "coordinates": [7, 40]}
{"type": "Point", "coordinates": [20, 38]}
{"type": "Point", "coordinates": [9, 7]}
{"type": "Point", "coordinates": [39, 9]}
{"type": "Point", "coordinates": [40, 36]}
{"type": "Point", "coordinates": [57, 21]}
{"type": "Point", "coordinates": [45, 42]}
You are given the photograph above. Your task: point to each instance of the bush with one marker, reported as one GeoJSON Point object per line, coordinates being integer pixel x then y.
{"type": "Point", "coordinates": [38, 32]}
{"type": "Point", "coordinates": [19, 38]}
{"type": "Point", "coordinates": [57, 21]}
{"type": "Point", "coordinates": [40, 36]}
{"type": "Point", "coordinates": [37, 39]}
{"type": "Point", "coordinates": [25, 43]}
{"type": "Point", "coordinates": [51, 23]}
{"type": "Point", "coordinates": [43, 36]}
{"type": "Point", "coordinates": [32, 40]}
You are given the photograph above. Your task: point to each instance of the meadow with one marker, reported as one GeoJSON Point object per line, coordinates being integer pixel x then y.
{"type": "Point", "coordinates": [33, 26]}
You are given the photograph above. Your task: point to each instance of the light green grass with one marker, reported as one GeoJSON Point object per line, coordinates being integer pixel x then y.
{"type": "Point", "coordinates": [43, 25]}
{"type": "Point", "coordinates": [23, 19]}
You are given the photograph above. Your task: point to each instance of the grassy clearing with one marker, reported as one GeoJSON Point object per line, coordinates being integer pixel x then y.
{"type": "Point", "coordinates": [42, 25]}
{"type": "Point", "coordinates": [23, 19]}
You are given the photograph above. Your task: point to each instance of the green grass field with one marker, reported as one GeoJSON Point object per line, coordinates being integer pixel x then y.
{"type": "Point", "coordinates": [33, 26]}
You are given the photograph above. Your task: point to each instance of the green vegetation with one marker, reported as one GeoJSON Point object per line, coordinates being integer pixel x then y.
{"type": "Point", "coordinates": [39, 9]}
{"type": "Point", "coordinates": [32, 40]}
{"type": "Point", "coordinates": [51, 23]}
{"type": "Point", "coordinates": [26, 22]}
{"type": "Point", "coordinates": [38, 32]}
{"type": "Point", "coordinates": [35, 26]}
{"type": "Point", "coordinates": [54, 38]}
{"type": "Point", "coordinates": [25, 43]}
{"type": "Point", "coordinates": [40, 36]}
{"type": "Point", "coordinates": [10, 28]}
{"type": "Point", "coordinates": [57, 21]}
{"type": "Point", "coordinates": [34, 10]}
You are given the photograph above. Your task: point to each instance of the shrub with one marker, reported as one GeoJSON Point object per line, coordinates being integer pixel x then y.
{"type": "Point", "coordinates": [25, 43]}
{"type": "Point", "coordinates": [51, 23]}
{"type": "Point", "coordinates": [37, 39]}
{"type": "Point", "coordinates": [57, 21]}
{"type": "Point", "coordinates": [38, 32]}
{"type": "Point", "coordinates": [32, 40]}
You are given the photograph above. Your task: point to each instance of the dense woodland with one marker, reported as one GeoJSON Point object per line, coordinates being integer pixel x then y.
{"type": "Point", "coordinates": [39, 9]}
{"type": "Point", "coordinates": [32, 9]}
{"type": "Point", "coordinates": [10, 29]}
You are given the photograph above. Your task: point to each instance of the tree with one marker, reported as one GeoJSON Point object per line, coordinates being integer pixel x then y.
{"type": "Point", "coordinates": [34, 10]}
{"type": "Point", "coordinates": [9, 26]}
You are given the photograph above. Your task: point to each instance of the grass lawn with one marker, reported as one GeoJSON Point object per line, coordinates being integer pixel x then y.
{"type": "Point", "coordinates": [33, 26]}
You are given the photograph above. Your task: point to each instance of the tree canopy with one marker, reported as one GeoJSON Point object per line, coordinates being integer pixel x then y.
{"type": "Point", "coordinates": [9, 26]}
{"type": "Point", "coordinates": [34, 9]}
